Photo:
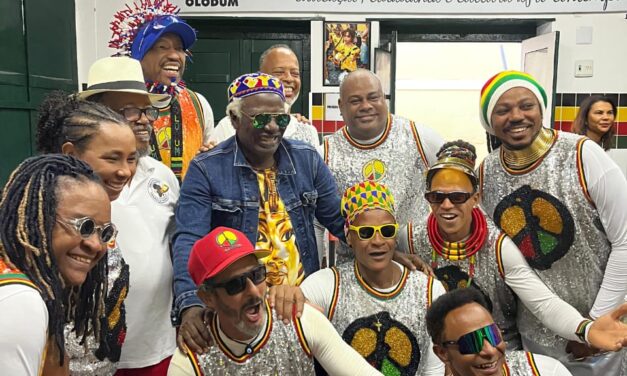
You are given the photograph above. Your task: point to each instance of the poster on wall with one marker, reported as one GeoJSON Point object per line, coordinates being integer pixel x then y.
{"type": "Point", "coordinates": [346, 48]}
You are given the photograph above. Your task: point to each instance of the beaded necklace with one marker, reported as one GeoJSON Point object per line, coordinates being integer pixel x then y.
{"type": "Point", "coordinates": [457, 251]}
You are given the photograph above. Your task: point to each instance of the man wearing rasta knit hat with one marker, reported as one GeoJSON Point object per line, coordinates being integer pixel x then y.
{"type": "Point", "coordinates": [152, 33]}
{"type": "Point", "coordinates": [269, 187]}
{"type": "Point", "coordinates": [561, 200]}
{"type": "Point", "coordinates": [373, 299]}
{"type": "Point", "coordinates": [248, 338]}
{"type": "Point", "coordinates": [468, 250]}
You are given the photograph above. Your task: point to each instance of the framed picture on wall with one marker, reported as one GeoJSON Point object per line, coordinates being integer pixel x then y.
{"type": "Point", "coordinates": [346, 48]}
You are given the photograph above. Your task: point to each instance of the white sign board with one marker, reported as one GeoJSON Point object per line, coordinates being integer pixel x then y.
{"type": "Point", "coordinates": [269, 8]}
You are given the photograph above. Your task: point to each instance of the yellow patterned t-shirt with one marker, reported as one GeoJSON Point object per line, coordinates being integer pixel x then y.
{"type": "Point", "coordinates": [276, 234]}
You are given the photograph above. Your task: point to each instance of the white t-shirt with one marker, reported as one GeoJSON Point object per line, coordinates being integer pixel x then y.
{"type": "Point", "coordinates": [319, 288]}
{"type": "Point", "coordinates": [23, 330]}
{"type": "Point", "coordinates": [144, 215]}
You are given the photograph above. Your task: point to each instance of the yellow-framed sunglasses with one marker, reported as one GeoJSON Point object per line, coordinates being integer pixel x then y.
{"type": "Point", "coordinates": [387, 231]}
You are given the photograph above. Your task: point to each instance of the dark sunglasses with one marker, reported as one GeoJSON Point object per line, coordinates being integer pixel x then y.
{"type": "Point", "coordinates": [86, 227]}
{"type": "Point", "coordinates": [367, 232]}
{"type": "Point", "coordinates": [436, 197]}
{"type": "Point", "coordinates": [472, 343]}
{"type": "Point", "coordinates": [261, 120]}
{"type": "Point", "coordinates": [134, 113]}
{"type": "Point", "coordinates": [238, 284]}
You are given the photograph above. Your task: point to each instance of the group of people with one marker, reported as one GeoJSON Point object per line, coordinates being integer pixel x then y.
{"type": "Point", "coordinates": [144, 241]}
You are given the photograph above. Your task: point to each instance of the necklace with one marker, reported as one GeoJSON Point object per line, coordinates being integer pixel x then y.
{"type": "Point", "coordinates": [520, 159]}
{"type": "Point", "coordinates": [457, 251]}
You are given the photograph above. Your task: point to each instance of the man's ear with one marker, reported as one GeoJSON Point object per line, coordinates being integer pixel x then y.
{"type": "Point", "coordinates": [339, 106]}
{"type": "Point", "coordinates": [207, 297]}
{"type": "Point", "coordinates": [234, 120]}
{"type": "Point", "coordinates": [69, 148]}
{"type": "Point", "coordinates": [441, 353]}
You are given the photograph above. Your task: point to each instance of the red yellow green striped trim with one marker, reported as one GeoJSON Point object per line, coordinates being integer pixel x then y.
{"type": "Point", "coordinates": [481, 168]}
{"type": "Point", "coordinates": [410, 238]}
{"type": "Point", "coordinates": [326, 151]}
{"type": "Point", "coordinates": [301, 335]}
{"type": "Point", "coordinates": [532, 363]}
{"type": "Point", "coordinates": [582, 177]}
{"type": "Point", "coordinates": [423, 156]}
{"type": "Point", "coordinates": [581, 329]}
{"type": "Point", "coordinates": [534, 165]}
{"type": "Point", "coordinates": [381, 139]}
{"type": "Point", "coordinates": [379, 295]}
{"type": "Point", "coordinates": [505, 371]}
{"type": "Point", "coordinates": [336, 293]}
{"type": "Point", "coordinates": [499, 257]}
{"type": "Point", "coordinates": [243, 358]}
{"type": "Point", "coordinates": [194, 361]}
{"type": "Point", "coordinates": [16, 279]}
{"type": "Point", "coordinates": [430, 282]}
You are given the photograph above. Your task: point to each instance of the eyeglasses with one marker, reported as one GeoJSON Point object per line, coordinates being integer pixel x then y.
{"type": "Point", "coordinates": [436, 197]}
{"type": "Point", "coordinates": [367, 232]}
{"type": "Point", "coordinates": [472, 343]}
{"type": "Point", "coordinates": [86, 227]}
{"type": "Point", "coordinates": [261, 120]}
{"type": "Point", "coordinates": [134, 113]}
{"type": "Point", "coordinates": [238, 284]}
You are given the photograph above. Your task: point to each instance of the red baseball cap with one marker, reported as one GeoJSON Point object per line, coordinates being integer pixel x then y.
{"type": "Point", "coordinates": [217, 250]}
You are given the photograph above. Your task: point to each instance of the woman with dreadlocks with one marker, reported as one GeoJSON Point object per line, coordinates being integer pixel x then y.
{"type": "Point", "coordinates": [102, 138]}
{"type": "Point", "coordinates": [54, 226]}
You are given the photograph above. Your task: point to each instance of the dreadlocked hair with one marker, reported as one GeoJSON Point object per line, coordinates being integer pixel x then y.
{"type": "Point", "coordinates": [65, 118]}
{"type": "Point", "coordinates": [28, 209]}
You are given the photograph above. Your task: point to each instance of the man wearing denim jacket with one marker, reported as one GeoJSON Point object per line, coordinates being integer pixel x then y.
{"type": "Point", "coordinates": [269, 188]}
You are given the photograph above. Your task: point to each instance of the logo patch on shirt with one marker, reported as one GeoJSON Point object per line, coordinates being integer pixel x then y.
{"type": "Point", "coordinates": [158, 190]}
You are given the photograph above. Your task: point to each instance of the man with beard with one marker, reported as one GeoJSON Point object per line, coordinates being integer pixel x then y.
{"type": "Point", "coordinates": [561, 199]}
{"type": "Point", "coordinates": [144, 212]}
{"type": "Point", "coordinates": [269, 187]}
{"type": "Point", "coordinates": [249, 340]}
{"type": "Point", "coordinates": [281, 62]}
{"type": "Point", "coordinates": [466, 339]}
{"type": "Point", "coordinates": [152, 33]}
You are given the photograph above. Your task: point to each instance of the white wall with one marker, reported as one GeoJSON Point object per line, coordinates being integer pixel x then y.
{"type": "Point", "coordinates": [608, 50]}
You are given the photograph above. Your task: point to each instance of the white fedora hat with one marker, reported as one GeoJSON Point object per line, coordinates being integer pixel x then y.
{"type": "Point", "coordinates": [122, 74]}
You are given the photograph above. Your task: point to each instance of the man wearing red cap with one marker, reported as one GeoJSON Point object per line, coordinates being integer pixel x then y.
{"type": "Point", "coordinates": [249, 340]}
{"type": "Point", "coordinates": [152, 33]}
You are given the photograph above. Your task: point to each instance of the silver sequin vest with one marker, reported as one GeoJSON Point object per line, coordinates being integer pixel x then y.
{"type": "Point", "coordinates": [546, 212]}
{"type": "Point", "coordinates": [389, 330]}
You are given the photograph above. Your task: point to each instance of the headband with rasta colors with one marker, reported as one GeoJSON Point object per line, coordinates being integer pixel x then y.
{"type": "Point", "coordinates": [255, 83]}
{"type": "Point", "coordinates": [496, 86]}
{"type": "Point", "coordinates": [364, 196]}
{"type": "Point", "coordinates": [136, 29]}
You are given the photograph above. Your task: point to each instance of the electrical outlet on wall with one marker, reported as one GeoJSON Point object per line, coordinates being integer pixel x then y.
{"type": "Point", "coordinates": [583, 68]}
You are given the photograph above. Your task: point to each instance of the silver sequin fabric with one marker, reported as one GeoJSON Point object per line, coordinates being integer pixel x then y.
{"type": "Point", "coordinates": [518, 364]}
{"type": "Point", "coordinates": [356, 307]}
{"type": "Point", "coordinates": [83, 362]}
{"type": "Point", "coordinates": [486, 277]}
{"type": "Point", "coordinates": [281, 355]}
{"type": "Point", "coordinates": [544, 190]}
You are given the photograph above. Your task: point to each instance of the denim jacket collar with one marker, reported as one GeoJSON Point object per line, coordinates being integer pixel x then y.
{"type": "Point", "coordinates": [284, 160]}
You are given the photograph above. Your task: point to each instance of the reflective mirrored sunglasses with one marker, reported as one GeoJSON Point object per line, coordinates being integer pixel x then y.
{"type": "Point", "coordinates": [86, 227]}
{"type": "Point", "coordinates": [261, 120]}
{"type": "Point", "coordinates": [238, 284]}
{"type": "Point", "coordinates": [472, 343]}
{"type": "Point", "coordinates": [367, 232]}
{"type": "Point", "coordinates": [437, 197]}
{"type": "Point", "coordinates": [134, 113]}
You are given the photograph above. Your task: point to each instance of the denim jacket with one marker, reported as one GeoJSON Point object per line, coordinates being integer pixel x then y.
{"type": "Point", "coordinates": [221, 189]}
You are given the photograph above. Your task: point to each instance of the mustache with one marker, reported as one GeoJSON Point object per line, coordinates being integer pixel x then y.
{"type": "Point", "coordinates": [251, 302]}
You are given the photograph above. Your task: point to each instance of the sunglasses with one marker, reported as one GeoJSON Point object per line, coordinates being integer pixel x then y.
{"type": "Point", "coordinates": [472, 343]}
{"type": "Point", "coordinates": [238, 284]}
{"type": "Point", "coordinates": [261, 120]}
{"type": "Point", "coordinates": [367, 232]}
{"type": "Point", "coordinates": [86, 227]}
{"type": "Point", "coordinates": [134, 113]}
{"type": "Point", "coordinates": [436, 197]}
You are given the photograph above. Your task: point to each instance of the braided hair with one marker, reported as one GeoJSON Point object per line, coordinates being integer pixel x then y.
{"type": "Point", "coordinates": [65, 118]}
{"type": "Point", "coordinates": [28, 209]}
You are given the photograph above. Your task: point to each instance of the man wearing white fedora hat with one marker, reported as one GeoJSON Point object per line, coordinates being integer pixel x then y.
{"type": "Point", "coordinates": [151, 32]}
{"type": "Point", "coordinates": [144, 213]}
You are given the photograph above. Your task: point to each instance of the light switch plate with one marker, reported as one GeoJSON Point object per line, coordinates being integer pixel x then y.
{"type": "Point", "coordinates": [584, 68]}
